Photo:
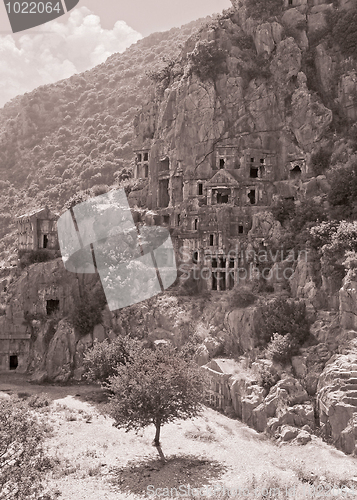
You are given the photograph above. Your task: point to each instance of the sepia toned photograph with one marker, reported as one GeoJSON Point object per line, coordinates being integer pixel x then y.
{"type": "Point", "coordinates": [178, 250]}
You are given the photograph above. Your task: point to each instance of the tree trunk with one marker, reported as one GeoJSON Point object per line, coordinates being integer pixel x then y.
{"type": "Point", "coordinates": [157, 440]}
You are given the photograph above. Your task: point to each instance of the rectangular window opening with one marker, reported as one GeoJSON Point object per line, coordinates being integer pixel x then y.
{"type": "Point", "coordinates": [240, 229]}
{"type": "Point", "coordinates": [211, 240]}
{"type": "Point", "coordinates": [214, 281]}
{"type": "Point", "coordinates": [13, 362]}
{"type": "Point", "coordinates": [222, 278]}
{"type": "Point", "coordinates": [146, 156]}
{"type": "Point", "coordinates": [253, 172]}
{"type": "Point", "coordinates": [52, 306]}
{"type": "Point", "coordinates": [222, 262]}
{"type": "Point", "coordinates": [251, 196]}
{"type": "Point", "coordinates": [45, 241]}
{"type": "Point", "coordinates": [200, 189]}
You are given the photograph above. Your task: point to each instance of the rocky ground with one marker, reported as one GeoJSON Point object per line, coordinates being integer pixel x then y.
{"type": "Point", "coordinates": [92, 460]}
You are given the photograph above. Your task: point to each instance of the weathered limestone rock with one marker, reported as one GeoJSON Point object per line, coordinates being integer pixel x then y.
{"type": "Point", "coordinates": [292, 18]}
{"type": "Point", "coordinates": [202, 356]}
{"type": "Point", "coordinates": [302, 438]}
{"type": "Point", "coordinates": [259, 418]}
{"type": "Point", "coordinates": [266, 36]}
{"type": "Point", "coordinates": [288, 433]}
{"type": "Point", "coordinates": [298, 415]}
{"type": "Point", "coordinates": [60, 354]}
{"type": "Point", "coordinates": [286, 64]}
{"type": "Point", "coordinates": [212, 345]}
{"type": "Point", "coordinates": [316, 20]}
{"type": "Point", "coordinates": [325, 67]}
{"type": "Point", "coordinates": [348, 304]}
{"type": "Point", "coordinates": [286, 393]}
{"type": "Point", "coordinates": [99, 333]}
{"type": "Point", "coordinates": [299, 366]}
{"type": "Point", "coordinates": [348, 436]}
{"type": "Point", "coordinates": [310, 118]}
{"type": "Point", "coordinates": [243, 325]}
{"type": "Point", "coordinates": [264, 226]}
{"type": "Point", "coordinates": [337, 395]}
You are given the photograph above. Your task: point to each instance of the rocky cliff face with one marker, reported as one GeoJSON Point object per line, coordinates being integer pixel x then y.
{"type": "Point", "coordinates": [273, 87]}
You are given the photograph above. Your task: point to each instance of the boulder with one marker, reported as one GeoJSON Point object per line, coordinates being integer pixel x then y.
{"type": "Point", "coordinates": [302, 438]}
{"type": "Point", "coordinates": [288, 433]}
{"type": "Point", "coordinates": [298, 416]}
{"type": "Point", "coordinates": [348, 436]}
{"type": "Point", "coordinates": [348, 301]}
{"type": "Point", "coordinates": [293, 18]}
{"type": "Point", "coordinates": [259, 418]}
{"type": "Point", "coordinates": [272, 425]}
{"type": "Point", "coordinates": [299, 366]}
{"type": "Point", "coordinates": [212, 345]}
{"type": "Point", "coordinates": [202, 355]}
{"type": "Point", "coordinates": [249, 403]}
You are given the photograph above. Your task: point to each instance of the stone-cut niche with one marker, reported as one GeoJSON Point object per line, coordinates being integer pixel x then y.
{"type": "Point", "coordinates": [164, 197]}
{"type": "Point", "coordinates": [52, 306]}
{"type": "Point", "coordinates": [13, 362]}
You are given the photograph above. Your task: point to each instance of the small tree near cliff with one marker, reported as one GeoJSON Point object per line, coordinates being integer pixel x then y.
{"type": "Point", "coordinates": [159, 386]}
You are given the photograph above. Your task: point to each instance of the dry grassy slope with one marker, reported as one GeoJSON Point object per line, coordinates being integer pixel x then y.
{"type": "Point", "coordinates": [76, 133]}
{"type": "Point", "coordinates": [93, 460]}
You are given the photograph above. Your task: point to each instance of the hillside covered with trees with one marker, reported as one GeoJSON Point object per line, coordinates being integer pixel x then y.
{"type": "Point", "coordinates": [77, 133]}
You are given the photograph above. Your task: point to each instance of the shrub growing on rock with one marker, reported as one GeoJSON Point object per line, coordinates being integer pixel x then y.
{"type": "Point", "coordinates": [87, 309]}
{"type": "Point", "coordinates": [284, 316]}
{"type": "Point", "coordinates": [241, 297]}
{"type": "Point", "coordinates": [281, 348]}
{"type": "Point", "coordinates": [207, 60]}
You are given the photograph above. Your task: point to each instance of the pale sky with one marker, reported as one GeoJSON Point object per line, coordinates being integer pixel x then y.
{"type": "Point", "coordinates": [86, 37]}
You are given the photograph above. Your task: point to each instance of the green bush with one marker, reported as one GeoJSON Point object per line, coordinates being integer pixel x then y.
{"type": "Point", "coordinates": [344, 31]}
{"type": "Point", "coordinates": [281, 348]}
{"type": "Point", "coordinates": [207, 60]}
{"type": "Point", "coordinates": [101, 361]}
{"type": "Point", "coordinates": [264, 9]}
{"type": "Point", "coordinates": [38, 401]}
{"type": "Point", "coordinates": [22, 457]}
{"type": "Point", "coordinates": [241, 297]}
{"type": "Point", "coordinates": [35, 256]}
{"type": "Point", "coordinates": [343, 192]}
{"type": "Point", "coordinates": [320, 161]}
{"type": "Point", "coordinates": [283, 209]}
{"type": "Point", "coordinates": [87, 309]}
{"type": "Point", "coordinates": [284, 316]}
